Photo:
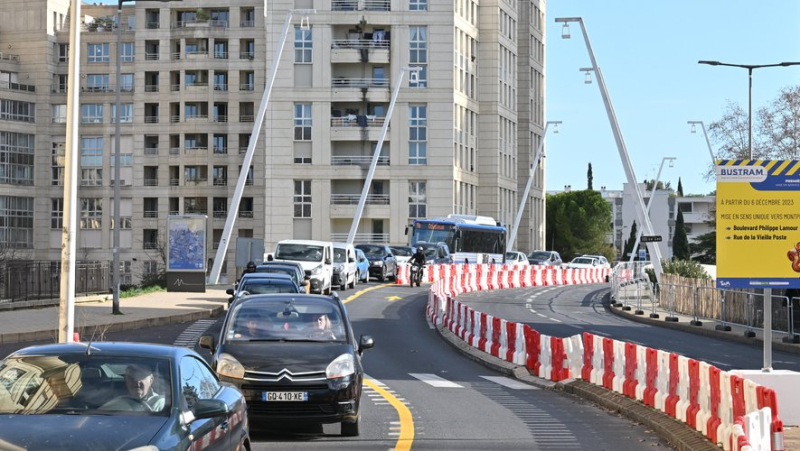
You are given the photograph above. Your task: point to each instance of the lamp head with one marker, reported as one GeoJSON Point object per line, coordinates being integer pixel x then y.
{"type": "Point", "coordinates": [565, 31]}
{"type": "Point", "coordinates": [710, 63]}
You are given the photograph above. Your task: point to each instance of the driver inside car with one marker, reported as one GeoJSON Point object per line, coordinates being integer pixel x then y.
{"type": "Point", "coordinates": [139, 381]}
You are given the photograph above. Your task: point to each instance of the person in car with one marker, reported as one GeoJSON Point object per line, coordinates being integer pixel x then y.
{"type": "Point", "coordinates": [139, 381]}
{"type": "Point", "coordinates": [321, 328]}
{"type": "Point", "coordinates": [252, 326]}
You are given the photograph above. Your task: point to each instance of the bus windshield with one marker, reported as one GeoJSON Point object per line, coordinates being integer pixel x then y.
{"type": "Point", "coordinates": [431, 232]}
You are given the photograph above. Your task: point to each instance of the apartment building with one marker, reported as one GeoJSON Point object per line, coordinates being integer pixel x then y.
{"type": "Point", "coordinates": [699, 215]}
{"type": "Point", "coordinates": [460, 138]}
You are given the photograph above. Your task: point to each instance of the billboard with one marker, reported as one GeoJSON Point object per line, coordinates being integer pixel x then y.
{"type": "Point", "coordinates": [186, 250]}
{"type": "Point", "coordinates": [758, 223]}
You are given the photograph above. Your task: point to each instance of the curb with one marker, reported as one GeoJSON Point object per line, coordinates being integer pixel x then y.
{"type": "Point", "coordinates": [88, 331]}
{"type": "Point", "coordinates": [697, 330]}
{"type": "Point", "coordinates": [682, 436]}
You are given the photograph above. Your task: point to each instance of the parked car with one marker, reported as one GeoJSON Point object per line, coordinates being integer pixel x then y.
{"type": "Point", "coordinates": [436, 253]}
{"type": "Point", "coordinates": [115, 396]}
{"type": "Point", "coordinates": [262, 283]}
{"type": "Point", "coordinates": [362, 266]}
{"type": "Point", "coordinates": [295, 270]}
{"type": "Point", "coordinates": [547, 258]}
{"type": "Point", "coordinates": [402, 253]}
{"type": "Point", "coordinates": [582, 262]}
{"type": "Point", "coordinates": [344, 266]}
{"type": "Point", "coordinates": [602, 262]}
{"type": "Point", "coordinates": [514, 258]}
{"type": "Point", "coordinates": [382, 263]}
{"type": "Point", "coordinates": [291, 369]}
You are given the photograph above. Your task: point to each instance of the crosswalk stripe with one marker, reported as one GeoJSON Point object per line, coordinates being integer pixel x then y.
{"type": "Point", "coordinates": [434, 380]}
{"type": "Point", "coordinates": [510, 383]}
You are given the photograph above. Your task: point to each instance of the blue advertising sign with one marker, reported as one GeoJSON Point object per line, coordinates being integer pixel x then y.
{"type": "Point", "coordinates": [642, 254]}
{"type": "Point", "coordinates": [186, 250]}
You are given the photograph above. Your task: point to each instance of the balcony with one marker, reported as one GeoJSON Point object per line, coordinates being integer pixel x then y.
{"type": "Point", "coordinates": [220, 87]}
{"type": "Point", "coordinates": [245, 214]}
{"type": "Point", "coordinates": [150, 214]}
{"type": "Point", "coordinates": [361, 5]}
{"type": "Point", "coordinates": [345, 89]}
{"type": "Point", "coordinates": [174, 150]}
{"type": "Point", "coordinates": [220, 182]}
{"type": "Point", "coordinates": [247, 56]}
{"type": "Point", "coordinates": [14, 58]}
{"type": "Point", "coordinates": [59, 89]}
{"type": "Point", "coordinates": [353, 51]}
{"type": "Point", "coordinates": [151, 119]}
{"type": "Point", "coordinates": [220, 118]}
{"type": "Point", "coordinates": [151, 150]}
{"type": "Point", "coordinates": [356, 128]}
{"type": "Point", "coordinates": [151, 56]}
{"type": "Point", "coordinates": [8, 86]}
{"type": "Point", "coordinates": [151, 181]}
{"type": "Point", "coordinates": [246, 87]}
{"type": "Point", "coordinates": [352, 199]}
{"type": "Point", "coordinates": [174, 182]}
{"type": "Point", "coordinates": [247, 23]}
{"type": "Point", "coordinates": [220, 214]}
{"type": "Point", "coordinates": [216, 24]}
{"type": "Point", "coordinates": [362, 237]}
{"type": "Point", "coordinates": [246, 118]}
{"type": "Point", "coordinates": [150, 88]}
{"type": "Point", "coordinates": [97, 89]}
{"type": "Point", "coordinates": [341, 82]}
{"type": "Point", "coordinates": [357, 160]}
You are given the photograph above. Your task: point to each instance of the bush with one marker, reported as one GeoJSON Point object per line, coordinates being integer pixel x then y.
{"type": "Point", "coordinates": [684, 268]}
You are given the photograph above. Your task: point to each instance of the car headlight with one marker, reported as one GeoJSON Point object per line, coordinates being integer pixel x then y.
{"type": "Point", "coordinates": [377, 263]}
{"type": "Point", "coordinates": [342, 366]}
{"type": "Point", "coordinates": [227, 365]}
{"type": "Point", "coordinates": [316, 271]}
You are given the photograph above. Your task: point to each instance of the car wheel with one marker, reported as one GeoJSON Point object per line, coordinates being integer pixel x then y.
{"type": "Point", "coordinates": [343, 283]}
{"type": "Point", "coordinates": [355, 281]}
{"type": "Point", "coordinates": [352, 429]}
{"type": "Point", "coordinates": [382, 277]}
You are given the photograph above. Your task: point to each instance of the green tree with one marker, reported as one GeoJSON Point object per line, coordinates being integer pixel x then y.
{"type": "Point", "coordinates": [680, 243]}
{"type": "Point", "coordinates": [680, 187]}
{"type": "Point", "coordinates": [589, 177]}
{"type": "Point", "coordinates": [628, 248]}
{"type": "Point", "coordinates": [578, 222]}
{"type": "Point", "coordinates": [704, 248]}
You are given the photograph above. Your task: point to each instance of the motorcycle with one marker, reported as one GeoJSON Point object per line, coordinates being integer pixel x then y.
{"type": "Point", "coordinates": [415, 275]}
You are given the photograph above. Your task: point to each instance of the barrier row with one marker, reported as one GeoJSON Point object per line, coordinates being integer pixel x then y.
{"type": "Point", "coordinates": [473, 277]}
{"type": "Point", "coordinates": [729, 410]}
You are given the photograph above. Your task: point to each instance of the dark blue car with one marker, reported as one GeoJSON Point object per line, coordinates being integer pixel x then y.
{"type": "Point", "coordinates": [113, 396]}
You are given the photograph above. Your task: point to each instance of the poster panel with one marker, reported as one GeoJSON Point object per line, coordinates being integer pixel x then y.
{"type": "Point", "coordinates": [186, 250]}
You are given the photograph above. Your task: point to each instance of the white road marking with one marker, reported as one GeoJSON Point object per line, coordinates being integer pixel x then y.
{"type": "Point", "coordinates": [541, 315]}
{"type": "Point", "coordinates": [434, 380]}
{"type": "Point", "coordinates": [556, 320]}
{"type": "Point", "coordinates": [510, 383]}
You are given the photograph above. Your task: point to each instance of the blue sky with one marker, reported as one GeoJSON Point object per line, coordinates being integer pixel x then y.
{"type": "Point", "coordinates": [648, 52]}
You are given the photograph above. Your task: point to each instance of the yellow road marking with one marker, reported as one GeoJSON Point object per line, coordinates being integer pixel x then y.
{"type": "Point", "coordinates": [406, 420]}
{"type": "Point", "coordinates": [355, 295]}
{"type": "Point", "coordinates": [393, 298]}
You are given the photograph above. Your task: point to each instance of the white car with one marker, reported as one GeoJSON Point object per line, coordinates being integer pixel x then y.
{"type": "Point", "coordinates": [582, 262]}
{"type": "Point", "coordinates": [602, 262]}
{"type": "Point", "coordinates": [514, 259]}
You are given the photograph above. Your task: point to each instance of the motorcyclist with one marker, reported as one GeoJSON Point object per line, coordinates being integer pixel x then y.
{"type": "Point", "coordinates": [418, 258]}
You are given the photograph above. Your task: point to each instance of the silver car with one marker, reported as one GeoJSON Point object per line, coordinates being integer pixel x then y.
{"type": "Point", "coordinates": [547, 258]}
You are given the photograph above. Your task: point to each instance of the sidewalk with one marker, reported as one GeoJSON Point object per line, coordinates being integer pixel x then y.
{"type": "Point", "coordinates": [93, 315]}
{"type": "Point", "coordinates": [709, 328]}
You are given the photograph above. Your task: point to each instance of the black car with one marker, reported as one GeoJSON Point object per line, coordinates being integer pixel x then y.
{"type": "Point", "coordinates": [293, 269]}
{"type": "Point", "coordinates": [112, 396]}
{"type": "Point", "coordinates": [382, 263]}
{"type": "Point", "coordinates": [295, 357]}
{"type": "Point", "coordinates": [262, 283]}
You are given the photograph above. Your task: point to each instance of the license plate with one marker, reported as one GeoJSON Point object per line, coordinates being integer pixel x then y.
{"type": "Point", "coordinates": [284, 396]}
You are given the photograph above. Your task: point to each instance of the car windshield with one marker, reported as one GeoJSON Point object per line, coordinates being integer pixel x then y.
{"type": "Point", "coordinates": [263, 286]}
{"type": "Point", "coordinates": [373, 251]}
{"type": "Point", "coordinates": [583, 260]}
{"type": "Point", "coordinates": [512, 256]}
{"type": "Point", "coordinates": [291, 272]}
{"type": "Point", "coordinates": [402, 251]}
{"type": "Point", "coordinates": [339, 255]}
{"type": "Point", "coordinates": [539, 256]}
{"type": "Point", "coordinates": [300, 319]}
{"type": "Point", "coordinates": [299, 252]}
{"type": "Point", "coordinates": [77, 384]}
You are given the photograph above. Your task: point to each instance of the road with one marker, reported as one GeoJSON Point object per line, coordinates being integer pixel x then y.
{"type": "Point", "coordinates": [453, 402]}
{"type": "Point", "coordinates": [568, 310]}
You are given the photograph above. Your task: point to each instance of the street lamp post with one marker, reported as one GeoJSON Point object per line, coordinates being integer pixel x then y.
{"type": "Point", "coordinates": [649, 203]}
{"type": "Point", "coordinates": [749, 68]}
{"type": "Point", "coordinates": [524, 198]}
{"type": "Point", "coordinates": [414, 70]}
{"type": "Point", "coordinates": [767, 291]}
{"type": "Point", "coordinates": [233, 208]}
{"type": "Point", "coordinates": [623, 151]}
{"type": "Point", "coordinates": [694, 125]}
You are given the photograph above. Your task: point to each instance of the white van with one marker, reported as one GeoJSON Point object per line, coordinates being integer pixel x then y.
{"type": "Point", "coordinates": [344, 266]}
{"type": "Point", "coordinates": [316, 258]}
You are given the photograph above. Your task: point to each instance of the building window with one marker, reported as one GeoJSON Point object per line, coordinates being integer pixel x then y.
{"type": "Point", "coordinates": [302, 45]}
{"type": "Point", "coordinates": [418, 134]}
{"type": "Point", "coordinates": [417, 5]}
{"type": "Point", "coordinates": [60, 114]}
{"type": "Point", "coordinates": [92, 151]}
{"type": "Point", "coordinates": [14, 110]}
{"type": "Point", "coordinates": [97, 82]}
{"type": "Point", "coordinates": [57, 164]}
{"type": "Point", "coordinates": [150, 267]}
{"type": "Point", "coordinates": [16, 158]}
{"type": "Point", "coordinates": [92, 177]}
{"type": "Point", "coordinates": [97, 53]}
{"type": "Point", "coordinates": [16, 222]}
{"type": "Point", "coordinates": [302, 198]}
{"type": "Point", "coordinates": [150, 239]}
{"type": "Point", "coordinates": [127, 113]}
{"type": "Point", "coordinates": [417, 200]}
{"type": "Point", "coordinates": [127, 53]}
{"type": "Point", "coordinates": [91, 213]}
{"type": "Point", "coordinates": [92, 113]}
{"type": "Point", "coordinates": [418, 55]}
{"type": "Point", "coordinates": [63, 53]}
{"type": "Point", "coordinates": [57, 214]}
{"type": "Point", "coordinates": [126, 82]}
{"type": "Point", "coordinates": [302, 122]}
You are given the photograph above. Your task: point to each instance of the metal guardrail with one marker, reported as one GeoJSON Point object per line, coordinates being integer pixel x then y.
{"type": "Point", "coordinates": [382, 238]}
{"type": "Point", "coordinates": [357, 160]}
{"type": "Point", "coordinates": [26, 281]}
{"type": "Point", "coordinates": [352, 199]}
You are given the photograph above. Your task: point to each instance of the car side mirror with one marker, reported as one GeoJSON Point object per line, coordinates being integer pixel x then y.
{"type": "Point", "coordinates": [328, 261]}
{"type": "Point", "coordinates": [229, 291]}
{"type": "Point", "coordinates": [207, 342]}
{"type": "Point", "coordinates": [365, 342]}
{"type": "Point", "coordinates": [209, 408]}
{"type": "Point", "coordinates": [351, 260]}
{"type": "Point", "coordinates": [269, 258]}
